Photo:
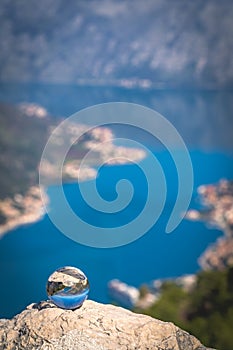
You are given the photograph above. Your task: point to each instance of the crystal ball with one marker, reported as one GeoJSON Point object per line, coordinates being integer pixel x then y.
{"type": "Point", "coordinates": [68, 287]}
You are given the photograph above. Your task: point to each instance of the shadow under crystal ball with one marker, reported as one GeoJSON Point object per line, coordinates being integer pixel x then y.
{"type": "Point", "coordinates": [68, 287]}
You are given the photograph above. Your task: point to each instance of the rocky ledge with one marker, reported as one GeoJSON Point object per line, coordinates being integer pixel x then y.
{"type": "Point", "coordinates": [94, 326]}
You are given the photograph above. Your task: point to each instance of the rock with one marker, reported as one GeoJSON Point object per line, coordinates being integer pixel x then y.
{"type": "Point", "coordinates": [94, 326]}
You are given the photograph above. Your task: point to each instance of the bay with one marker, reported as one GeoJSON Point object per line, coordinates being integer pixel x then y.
{"type": "Point", "coordinates": [30, 253]}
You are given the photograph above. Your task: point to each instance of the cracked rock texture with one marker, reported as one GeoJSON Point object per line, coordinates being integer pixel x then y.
{"type": "Point", "coordinates": [94, 326]}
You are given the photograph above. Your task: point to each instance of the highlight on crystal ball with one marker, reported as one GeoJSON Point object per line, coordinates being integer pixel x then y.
{"type": "Point", "coordinates": [68, 287]}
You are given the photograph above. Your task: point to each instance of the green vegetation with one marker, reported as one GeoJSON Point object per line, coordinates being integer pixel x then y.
{"type": "Point", "coordinates": [206, 311]}
{"type": "Point", "coordinates": [22, 139]}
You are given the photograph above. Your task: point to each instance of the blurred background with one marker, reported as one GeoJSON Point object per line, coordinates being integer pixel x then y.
{"type": "Point", "coordinates": [58, 57]}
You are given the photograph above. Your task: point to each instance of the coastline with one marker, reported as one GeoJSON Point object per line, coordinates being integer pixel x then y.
{"type": "Point", "coordinates": [22, 210]}
{"type": "Point", "coordinates": [26, 205]}
{"type": "Point", "coordinates": [216, 211]}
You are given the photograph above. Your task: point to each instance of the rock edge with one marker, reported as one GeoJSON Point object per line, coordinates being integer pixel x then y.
{"type": "Point", "coordinates": [94, 326]}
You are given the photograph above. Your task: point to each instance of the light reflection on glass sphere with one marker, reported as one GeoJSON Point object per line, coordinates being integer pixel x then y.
{"type": "Point", "coordinates": [68, 287]}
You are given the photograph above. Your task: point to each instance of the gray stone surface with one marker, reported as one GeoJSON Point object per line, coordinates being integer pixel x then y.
{"type": "Point", "coordinates": [94, 326]}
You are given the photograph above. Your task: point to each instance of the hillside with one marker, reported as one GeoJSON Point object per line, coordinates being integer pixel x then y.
{"type": "Point", "coordinates": [22, 138]}
{"type": "Point", "coordinates": [24, 131]}
{"type": "Point", "coordinates": [161, 43]}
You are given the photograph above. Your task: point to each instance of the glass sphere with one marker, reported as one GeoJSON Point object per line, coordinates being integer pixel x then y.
{"type": "Point", "coordinates": [68, 287]}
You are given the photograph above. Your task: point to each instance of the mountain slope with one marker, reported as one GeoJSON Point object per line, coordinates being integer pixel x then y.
{"type": "Point", "coordinates": [161, 43]}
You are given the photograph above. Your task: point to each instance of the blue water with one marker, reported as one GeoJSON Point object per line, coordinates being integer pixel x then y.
{"type": "Point", "coordinates": [70, 302]}
{"type": "Point", "coordinates": [29, 254]}
{"type": "Point", "coordinates": [203, 118]}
